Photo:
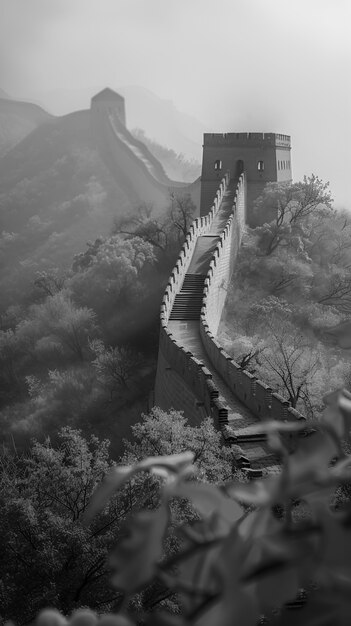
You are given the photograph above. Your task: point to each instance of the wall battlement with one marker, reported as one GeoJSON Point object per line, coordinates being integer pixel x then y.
{"type": "Point", "coordinates": [246, 139]}
{"type": "Point", "coordinates": [253, 393]}
{"type": "Point", "coordinates": [136, 169]}
{"type": "Point", "coordinates": [184, 382]}
{"type": "Point", "coordinates": [264, 157]}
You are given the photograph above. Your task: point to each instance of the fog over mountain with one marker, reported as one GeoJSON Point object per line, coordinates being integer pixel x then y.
{"type": "Point", "coordinates": [17, 120]}
{"type": "Point", "coordinates": [159, 118]}
{"type": "Point", "coordinates": [266, 66]}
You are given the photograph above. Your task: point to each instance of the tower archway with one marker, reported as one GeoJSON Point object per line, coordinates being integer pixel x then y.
{"type": "Point", "coordinates": [239, 167]}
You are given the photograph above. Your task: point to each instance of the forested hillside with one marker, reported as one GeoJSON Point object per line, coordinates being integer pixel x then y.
{"type": "Point", "coordinates": [55, 195]}
{"type": "Point", "coordinates": [81, 348]}
{"type": "Point", "coordinates": [177, 166]}
{"type": "Point", "coordinates": [291, 286]}
{"type": "Point", "coordinates": [77, 362]}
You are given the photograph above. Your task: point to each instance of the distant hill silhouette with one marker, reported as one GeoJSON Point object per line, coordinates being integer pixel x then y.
{"type": "Point", "coordinates": [17, 120]}
{"type": "Point", "coordinates": [159, 118]}
{"type": "Point", "coordinates": [56, 193]}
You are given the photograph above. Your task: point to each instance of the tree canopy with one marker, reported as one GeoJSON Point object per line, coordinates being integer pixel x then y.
{"type": "Point", "coordinates": [48, 556]}
{"type": "Point", "coordinates": [292, 283]}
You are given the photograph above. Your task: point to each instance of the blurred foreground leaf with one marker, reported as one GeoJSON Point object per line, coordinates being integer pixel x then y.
{"type": "Point", "coordinates": [114, 480]}
{"type": "Point", "coordinates": [134, 558]}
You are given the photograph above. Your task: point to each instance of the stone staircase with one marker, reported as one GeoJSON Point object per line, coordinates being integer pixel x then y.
{"type": "Point", "coordinates": [184, 323]}
{"type": "Point", "coordinates": [188, 301]}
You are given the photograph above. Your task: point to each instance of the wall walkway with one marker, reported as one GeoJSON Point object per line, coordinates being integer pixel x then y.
{"type": "Point", "coordinates": [194, 373]}
{"type": "Point", "coordinates": [134, 167]}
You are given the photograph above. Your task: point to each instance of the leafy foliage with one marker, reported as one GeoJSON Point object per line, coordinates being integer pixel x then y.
{"type": "Point", "coordinates": [110, 270]}
{"type": "Point", "coordinates": [164, 232]}
{"type": "Point", "coordinates": [290, 294]}
{"type": "Point", "coordinates": [161, 433]}
{"type": "Point", "coordinates": [176, 165]}
{"type": "Point", "coordinates": [115, 367]}
{"type": "Point", "coordinates": [50, 557]}
{"type": "Point", "coordinates": [238, 562]}
{"type": "Point", "coordinates": [60, 325]}
{"type": "Point", "coordinates": [50, 281]}
{"type": "Point", "coordinates": [110, 295]}
{"type": "Point", "coordinates": [290, 205]}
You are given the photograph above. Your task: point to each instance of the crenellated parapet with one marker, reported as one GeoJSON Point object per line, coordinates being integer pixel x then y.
{"type": "Point", "coordinates": [264, 157]}
{"type": "Point", "coordinates": [200, 226]}
{"type": "Point", "coordinates": [190, 387]}
{"type": "Point", "coordinates": [253, 393]}
{"type": "Point", "coordinates": [247, 139]}
{"type": "Point", "coordinates": [262, 401]}
{"type": "Point", "coordinates": [189, 379]}
{"type": "Point", "coordinates": [137, 171]}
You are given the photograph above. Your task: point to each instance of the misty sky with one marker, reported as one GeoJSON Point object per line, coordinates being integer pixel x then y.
{"type": "Point", "coordinates": [255, 65]}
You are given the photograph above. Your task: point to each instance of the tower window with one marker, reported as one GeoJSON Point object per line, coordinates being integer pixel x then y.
{"type": "Point", "coordinates": [218, 164]}
{"type": "Point", "coordinates": [260, 166]}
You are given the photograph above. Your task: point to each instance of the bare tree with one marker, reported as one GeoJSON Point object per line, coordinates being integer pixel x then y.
{"type": "Point", "coordinates": [182, 212]}
{"type": "Point", "coordinates": [338, 292]}
{"type": "Point", "coordinates": [115, 367]}
{"type": "Point", "coordinates": [292, 364]}
{"type": "Point", "coordinates": [50, 281]}
{"type": "Point", "coordinates": [165, 232]}
{"type": "Point", "coordinates": [291, 205]}
{"type": "Point", "coordinates": [145, 226]}
{"type": "Point", "coordinates": [283, 280]}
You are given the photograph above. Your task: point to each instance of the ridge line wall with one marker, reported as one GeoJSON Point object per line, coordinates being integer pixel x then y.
{"type": "Point", "coordinates": [262, 401]}
{"type": "Point", "coordinates": [161, 178]}
{"type": "Point", "coordinates": [199, 396]}
{"type": "Point", "coordinates": [172, 356]}
{"type": "Point", "coordinates": [133, 175]}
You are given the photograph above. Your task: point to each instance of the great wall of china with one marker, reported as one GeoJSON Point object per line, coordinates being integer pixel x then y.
{"type": "Point", "coordinates": [139, 172]}
{"type": "Point", "coordinates": [194, 373]}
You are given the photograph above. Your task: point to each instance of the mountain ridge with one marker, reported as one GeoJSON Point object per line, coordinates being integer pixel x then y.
{"type": "Point", "coordinates": [57, 191]}
{"type": "Point", "coordinates": [17, 120]}
{"type": "Point", "coordinates": [161, 120]}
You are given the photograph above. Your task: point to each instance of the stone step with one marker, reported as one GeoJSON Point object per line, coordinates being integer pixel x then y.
{"type": "Point", "coordinates": [188, 297]}
{"type": "Point", "coordinates": [184, 318]}
{"type": "Point", "coordinates": [185, 301]}
{"type": "Point", "coordinates": [194, 314]}
{"type": "Point", "coordinates": [241, 438]}
{"type": "Point", "coordinates": [198, 292]}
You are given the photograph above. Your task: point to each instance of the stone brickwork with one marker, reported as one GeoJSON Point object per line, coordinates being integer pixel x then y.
{"type": "Point", "coordinates": [135, 168]}
{"type": "Point", "coordinates": [265, 157]}
{"type": "Point", "coordinates": [172, 357]}
{"type": "Point", "coordinates": [182, 381]}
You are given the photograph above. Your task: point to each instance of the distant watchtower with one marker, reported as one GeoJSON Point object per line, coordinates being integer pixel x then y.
{"type": "Point", "coordinates": [264, 157]}
{"type": "Point", "coordinates": [111, 102]}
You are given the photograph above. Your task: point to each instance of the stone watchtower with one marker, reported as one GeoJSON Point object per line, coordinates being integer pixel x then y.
{"type": "Point", "coordinates": [108, 101]}
{"type": "Point", "coordinates": [264, 157]}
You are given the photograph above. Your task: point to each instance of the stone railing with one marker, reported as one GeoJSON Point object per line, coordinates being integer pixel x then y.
{"type": "Point", "coordinates": [195, 376]}
{"type": "Point", "coordinates": [258, 397]}
{"type": "Point", "coordinates": [200, 226]}
{"type": "Point", "coordinates": [262, 401]}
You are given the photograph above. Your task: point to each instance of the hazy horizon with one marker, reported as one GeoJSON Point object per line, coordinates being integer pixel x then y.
{"type": "Point", "coordinates": [271, 66]}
